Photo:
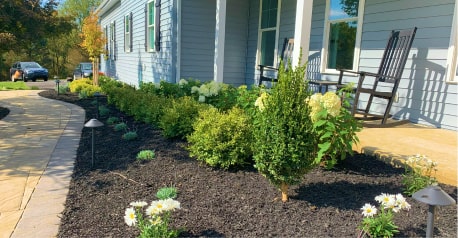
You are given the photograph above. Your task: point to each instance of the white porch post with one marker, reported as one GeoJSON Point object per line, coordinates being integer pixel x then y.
{"type": "Point", "coordinates": [220, 35]}
{"type": "Point", "coordinates": [302, 30]}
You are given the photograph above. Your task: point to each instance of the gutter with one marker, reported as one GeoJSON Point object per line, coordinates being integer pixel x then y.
{"type": "Point", "coordinates": [105, 6]}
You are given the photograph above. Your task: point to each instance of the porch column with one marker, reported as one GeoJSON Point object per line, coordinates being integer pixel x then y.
{"type": "Point", "coordinates": [220, 35]}
{"type": "Point", "coordinates": [302, 30]}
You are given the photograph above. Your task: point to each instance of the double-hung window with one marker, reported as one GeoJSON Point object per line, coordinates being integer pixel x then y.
{"type": "Point", "coordinates": [342, 36]}
{"type": "Point", "coordinates": [452, 59]}
{"type": "Point", "coordinates": [150, 29]}
{"type": "Point", "coordinates": [128, 33]}
{"type": "Point", "coordinates": [268, 32]}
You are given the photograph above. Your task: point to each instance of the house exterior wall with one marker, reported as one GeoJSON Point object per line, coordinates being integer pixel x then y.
{"type": "Point", "coordinates": [138, 65]}
{"type": "Point", "coordinates": [424, 96]}
{"type": "Point", "coordinates": [198, 39]}
{"type": "Point", "coordinates": [236, 40]}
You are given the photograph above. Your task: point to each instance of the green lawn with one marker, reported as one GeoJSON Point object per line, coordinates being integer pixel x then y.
{"type": "Point", "coordinates": [13, 86]}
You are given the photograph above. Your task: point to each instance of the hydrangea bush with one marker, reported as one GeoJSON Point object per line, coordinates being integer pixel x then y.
{"type": "Point", "coordinates": [334, 127]}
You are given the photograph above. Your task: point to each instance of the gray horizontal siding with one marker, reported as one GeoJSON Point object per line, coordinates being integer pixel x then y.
{"type": "Point", "coordinates": [140, 66]}
{"type": "Point", "coordinates": [198, 39]}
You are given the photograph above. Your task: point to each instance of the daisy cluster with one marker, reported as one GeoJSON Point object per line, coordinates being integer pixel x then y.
{"type": "Point", "coordinates": [421, 162]}
{"type": "Point", "coordinates": [329, 101]}
{"type": "Point", "coordinates": [153, 211]}
{"type": "Point", "coordinates": [392, 202]}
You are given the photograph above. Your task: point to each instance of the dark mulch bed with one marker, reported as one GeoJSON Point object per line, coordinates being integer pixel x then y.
{"type": "Point", "coordinates": [217, 203]}
{"type": "Point", "coordinates": [4, 112]}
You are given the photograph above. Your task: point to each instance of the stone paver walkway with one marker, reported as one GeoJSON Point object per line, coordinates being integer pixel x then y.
{"type": "Point", "coordinates": [38, 143]}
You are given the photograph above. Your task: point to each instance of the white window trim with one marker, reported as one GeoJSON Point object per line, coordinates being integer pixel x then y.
{"type": "Point", "coordinates": [151, 48]}
{"type": "Point", "coordinates": [452, 57]}
{"type": "Point", "coordinates": [324, 50]}
{"type": "Point", "coordinates": [277, 34]}
{"type": "Point", "coordinates": [112, 40]}
{"type": "Point", "coordinates": [127, 24]}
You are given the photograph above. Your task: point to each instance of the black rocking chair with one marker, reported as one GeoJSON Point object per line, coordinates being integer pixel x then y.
{"type": "Point", "coordinates": [286, 55]}
{"type": "Point", "coordinates": [389, 75]}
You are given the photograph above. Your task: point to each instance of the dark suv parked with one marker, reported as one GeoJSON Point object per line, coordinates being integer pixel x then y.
{"type": "Point", "coordinates": [28, 71]}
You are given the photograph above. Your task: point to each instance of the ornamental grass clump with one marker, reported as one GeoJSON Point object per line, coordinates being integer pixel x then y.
{"type": "Point", "coordinates": [284, 145]}
{"type": "Point", "coordinates": [379, 222]}
{"type": "Point", "coordinates": [154, 220]}
{"type": "Point", "coordinates": [419, 173]}
{"type": "Point", "coordinates": [334, 126]}
{"type": "Point", "coordinates": [120, 126]}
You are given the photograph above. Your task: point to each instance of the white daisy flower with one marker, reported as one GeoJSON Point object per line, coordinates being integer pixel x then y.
{"type": "Point", "coordinates": [170, 204]}
{"type": "Point", "coordinates": [387, 200]}
{"type": "Point", "coordinates": [138, 204]}
{"type": "Point", "coordinates": [369, 210]}
{"type": "Point", "coordinates": [130, 217]}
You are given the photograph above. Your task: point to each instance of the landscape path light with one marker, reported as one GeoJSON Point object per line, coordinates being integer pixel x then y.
{"type": "Point", "coordinates": [97, 95]}
{"type": "Point", "coordinates": [433, 196]}
{"type": "Point", "coordinates": [93, 123]}
{"type": "Point", "coordinates": [57, 83]}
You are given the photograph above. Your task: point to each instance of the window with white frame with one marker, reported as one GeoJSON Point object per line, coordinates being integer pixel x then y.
{"type": "Point", "coordinates": [268, 32]}
{"type": "Point", "coordinates": [113, 41]}
{"type": "Point", "coordinates": [150, 29]}
{"type": "Point", "coordinates": [452, 59]}
{"type": "Point", "coordinates": [128, 33]}
{"type": "Point", "coordinates": [342, 36]}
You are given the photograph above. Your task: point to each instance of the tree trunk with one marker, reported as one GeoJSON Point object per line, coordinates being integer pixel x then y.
{"type": "Point", "coordinates": [284, 192]}
{"type": "Point", "coordinates": [95, 71]}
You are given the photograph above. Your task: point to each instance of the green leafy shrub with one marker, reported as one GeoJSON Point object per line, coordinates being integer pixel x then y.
{"type": "Point", "coordinates": [146, 155]}
{"type": "Point", "coordinates": [222, 139]}
{"type": "Point", "coordinates": [284, 146]}
{"type": "Point", "coordinates": [246, 99]}
{"type": "Point", "coordinates": [334, 126]}
{"type": "Point", "coordinates": [104, 111]}
{"type": "Point", "coordinates": [177, 119]}
{"type": "Point", "coordinates": [130, 135]}
{"type": "Point", "coordinates": [166, 192]}
{"type": "Point", "coordinates": [112, 120]}
{"type": "Point", "coordinates": [120, 126]}
{"type": "Point", "coordinates": [77, 86]}
{"type": "Point", "coordinates": [419, 173]}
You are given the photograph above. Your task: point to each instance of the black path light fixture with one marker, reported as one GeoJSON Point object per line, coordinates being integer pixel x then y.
{"type": "Point", "coordinates": [433, 196]}
{"type": "Point", "coordinates": [93, 123]}
{"type": "Point", "coordinates": [57, 84]}
{"type": "Point", "coordinates": [97, 95]}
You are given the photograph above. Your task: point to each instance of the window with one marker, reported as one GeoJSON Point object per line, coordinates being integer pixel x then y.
{"type": "Point", "coordinates": [452, 59]}
{"type": "Point", "coordinates": [128, 33]}
{"type": "Point", "coordinates": [268, 32]}
{"type": "Point", "coordinates": [150, 29]}
{"type": "Point", "coordinates": [342, 36]}
{"type": "Point", "coordinates": [105, 32]}
{"type": "Point", "coordinates": [113, 41]}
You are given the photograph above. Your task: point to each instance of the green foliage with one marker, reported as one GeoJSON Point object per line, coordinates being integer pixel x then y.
{"type": "Point", "coordinates": [130, 135]}
{"type": "Point", "coordinates": [220, 95]}
{"type": "Point", "coordinates": [77, 86]}
{"type": "Point", "coordinates": [13, 86]}
{"type": "Point", "coordinates": [166, 192]}
{"type": "Point", "coordinates": [246, 99]}
{"type": "Point", "coordinates": [120, 127]}
{"type": "Point", "coordinates": [104, 111]}
{"type": "Point", "coordinates": [112, 120]}
{"type": "Point", "coordinates": [381, 225]}
{"type": "Point", "coordinates": [146, 155]}
{"type": "Point", "coordinates": [62, 89]}
{"type": "Point", "coordinates": [177, 120]}
{"type": "Point", "coordinates": [334, 126]}
{"type": "Point", "coordinates": [419, 173]}
{"type": "Point", "coordinates": [168, 89]}
{"type": "Point", "coordinates": [284, 140]}
{"type": "Point", "coordinates": [222, 139]}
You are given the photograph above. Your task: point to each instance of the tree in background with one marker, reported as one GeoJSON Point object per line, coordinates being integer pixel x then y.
{"type": "Point", "coordinates": [78, 9]}
{"type": "Point", "coordinates": [94, 42]}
